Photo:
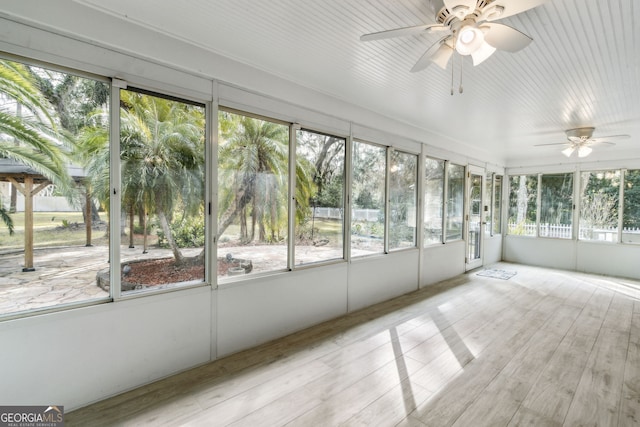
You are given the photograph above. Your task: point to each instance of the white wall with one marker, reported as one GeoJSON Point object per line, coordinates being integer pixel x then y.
{"type": "Point", "coordinates": [258, 310]}
{"type": "Point", "coordinates": [77, 356]}
{"type": "Point", "coordinates": [554, 253]}
{"type": "Point", "coordinates": [609, 259]}
{"type": "Point", "coordinates": [492, 249]}
{"type": "Point", "coordinates": [440, 262]}
{"type": "Point", "coordinates": [379, 278]}
{"type": "Point", "coordinates": [590, 257]}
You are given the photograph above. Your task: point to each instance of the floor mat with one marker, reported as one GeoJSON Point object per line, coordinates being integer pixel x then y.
{"type": "Point", "coordinates": [498, 274]}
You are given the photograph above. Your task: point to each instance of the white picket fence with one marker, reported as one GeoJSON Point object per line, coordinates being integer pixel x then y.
{"type": "Point", "coordinates": [564, 231]}
{"type": "Point", "coordinates": [356, 214]}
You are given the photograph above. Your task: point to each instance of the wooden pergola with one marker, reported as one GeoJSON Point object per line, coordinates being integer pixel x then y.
{"type": "Point", "coordinates": [29, 183]}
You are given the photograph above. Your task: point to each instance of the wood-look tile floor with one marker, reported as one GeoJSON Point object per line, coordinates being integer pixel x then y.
{"type": "Point", "coordinates": [545, 348]}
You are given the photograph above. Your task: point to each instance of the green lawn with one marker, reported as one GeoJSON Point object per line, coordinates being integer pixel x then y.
{"type": "Point", "coordinates": [50, 229]}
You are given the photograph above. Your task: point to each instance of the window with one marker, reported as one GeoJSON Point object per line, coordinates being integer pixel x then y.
{"type": "Point", "coordinates": [492, 204]}
{"type": "Point", "coordinates": [433, 201]}
{"type": "Point", "coordinates": [402, 200]}
{"type": "Point", "coordinates": [455, 202]}
{"type": "Point", "coordinates": [54, 188]}
{"type": "Point", "coordinates": [368, 193]}
{"type": "Point", "coordinates": [497, 205]}
{"type": "Point", "coordinates": [487, 208]}
{"type": "Point", "coordinates": [319, 197]}
{"type": "Point", "coordinates": [162, 155]}
{"type": "Point", "coordinates": [253, 170]}
{"type": "Point", "coordinates": [599, 205]}
{"type": "Point", "coordinates": [631, 212]}
{"type": "Point", "coordinates": [523, 205]}
{"type": "Point", "coordinates": [556, 205]}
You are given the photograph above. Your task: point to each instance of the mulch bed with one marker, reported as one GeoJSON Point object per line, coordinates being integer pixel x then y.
{"type": "Point", "coordinates": [163, 271]}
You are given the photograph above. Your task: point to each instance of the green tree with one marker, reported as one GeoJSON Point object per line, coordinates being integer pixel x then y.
{"type": "Point", "coordinates": [631, 218]}
{"type": "Point", "coordinates": [30, 134]}
{"type": "Point", "coordinates": [253, 176]}
{"type": "Point", "coordinates": [74, 99]}
{"type": "Point", "coordinates": [162, 159]}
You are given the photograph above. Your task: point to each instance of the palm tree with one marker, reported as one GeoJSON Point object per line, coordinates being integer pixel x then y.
{"type": "Point", "coordinates": [28, 132]}
{"type": "Point", "coordinates": [253, 176]}
{"type": "Point", "coordinates": [161, 154]}
{"type": "Point", "coordinates": [162, 158]}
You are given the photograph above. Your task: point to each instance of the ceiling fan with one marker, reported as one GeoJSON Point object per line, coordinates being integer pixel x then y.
{"type": "Point", "coordinates": [469, 29]}
{"type": "Point", "coordinates": [581, 139]}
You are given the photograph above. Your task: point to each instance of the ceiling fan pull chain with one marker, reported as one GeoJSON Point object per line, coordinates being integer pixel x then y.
{"type": "Point", "coordinates": [460, 89]}
{"type": "Point", "coordinates": [452, 67]}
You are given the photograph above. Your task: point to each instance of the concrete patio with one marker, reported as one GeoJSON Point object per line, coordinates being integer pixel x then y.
{"type": "Point", "coordinates": [66, 275]}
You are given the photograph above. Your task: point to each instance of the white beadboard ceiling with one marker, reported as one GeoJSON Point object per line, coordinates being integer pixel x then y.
{"type": "Point", "coordinates": [582, 69]}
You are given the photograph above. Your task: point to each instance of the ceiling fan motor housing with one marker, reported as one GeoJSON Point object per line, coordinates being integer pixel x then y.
{"type": "Point", "coordinates": [582, 133]}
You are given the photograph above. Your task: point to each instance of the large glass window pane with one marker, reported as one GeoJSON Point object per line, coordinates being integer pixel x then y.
{"type": "Point", "coordinates": [487, 207]}
{"type": "Point", "coordinates": [162, 154]}
{"type": "Point", "coordinates": [599, 202]}
{"type": "Point", "coordinates": [253, 162]}
{"type": "Point", "coordinates": [631, 211]}
{"type": "Point", "coordinates": [455, 202]}
{"type": "Point", "coordinates": [403, 200]}
{"type": "Point", "coordinates": [556, 210]}
{"type": "Point", "coordinates": [368, 190]}
{"type": "Point", "coordinates": [54, 188]}
{"type": "Point", "coordinates": [319, 221]}
{"type": "Point", "coordinates": [523, 191]}
{"type": "Point", "coordinates": [497, 205]}
{"type": "Point", "coordinates": [433, 200]}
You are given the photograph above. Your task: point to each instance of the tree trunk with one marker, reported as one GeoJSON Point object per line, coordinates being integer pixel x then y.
{"type": "Point", "coordinates": [131, 225]}
{"type": "Point", "coordinates": [243, 224]}
{"type": "Point", "coordinates": [164, 224]}
{"type": "Point", "coordinates": [254, 217]}
{"type": "Point", "coordinates": [522, 200]}
{"type": "Point", "coordinates": [143, 221]}
{"type": "Point", "coordinates": [142, 218]}
{"type": "Point", "coordinates": [230, 215]}
{"type": "Point", "coordinates": [14, 199]}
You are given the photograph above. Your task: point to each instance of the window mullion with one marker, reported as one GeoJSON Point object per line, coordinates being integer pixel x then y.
{"type": "Point", "coordinates": [291, 225]}
{"type": "Point", "coordinates": [623, 175]}
{"type": "Point", "coordinates": [115, 188]}
{"type": "Point", "coordinates": [387, 201]}
{"type": "Point", "coordinates": [445, 198]}
{"type": "Point", "coordinates": [538, 204]}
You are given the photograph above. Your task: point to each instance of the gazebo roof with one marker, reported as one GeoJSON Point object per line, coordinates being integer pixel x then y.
{"type": "Point", "coordinates": [12, 168]}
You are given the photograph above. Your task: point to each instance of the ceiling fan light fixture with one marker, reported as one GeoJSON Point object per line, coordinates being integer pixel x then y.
{"type": "Point", "coordinates": [482, 53]}
{"type": "Point", "coordinates": [470, 39]}
{"type": "Point", "coordinates": [568, 151]}
{"type": "Point", "coordinates": [584, 151]}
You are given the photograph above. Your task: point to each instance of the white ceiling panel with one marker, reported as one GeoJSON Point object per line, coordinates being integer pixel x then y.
{"type": "Point", "coordinates": [582, 68]}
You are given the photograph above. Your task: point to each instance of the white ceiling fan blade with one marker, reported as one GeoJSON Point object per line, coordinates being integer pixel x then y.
{"type": "Point", "coordinates": [403, 32]}
{"type": "Point", "coordinates": [439, 52]}
{"type": "Point", "coordinates": [483, 52]}
{"type": "Point", "coordinates": [460, 8]}
{"type": "Point", "coordinates": [552, 143]}
{"type": "Point", "coordinates": [504, 37]}
{"type": "Point", "coordinates": [607, 139]}
{"type": "Point", "coordinates": [512, 7]}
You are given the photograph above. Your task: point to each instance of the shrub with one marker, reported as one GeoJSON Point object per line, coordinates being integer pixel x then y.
{"type": "Point", "coordinates": [188, 233]}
